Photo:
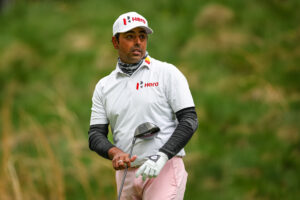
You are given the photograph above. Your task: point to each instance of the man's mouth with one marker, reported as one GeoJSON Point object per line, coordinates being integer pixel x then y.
{"type": "Point", "coordinates": [136, 51]}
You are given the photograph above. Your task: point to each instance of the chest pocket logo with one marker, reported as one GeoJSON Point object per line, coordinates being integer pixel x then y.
{"type": "Point", "coordinates": [141, 85]}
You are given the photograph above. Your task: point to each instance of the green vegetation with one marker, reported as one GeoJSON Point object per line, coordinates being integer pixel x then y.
{"type": "Point", "coordinates": [241, 59]}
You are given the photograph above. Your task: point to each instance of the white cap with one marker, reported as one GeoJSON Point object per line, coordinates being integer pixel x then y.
{"type": "Point", "coordinates": [130, 20]}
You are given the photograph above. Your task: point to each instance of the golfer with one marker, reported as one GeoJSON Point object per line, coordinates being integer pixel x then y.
{"type": "Point", "coordinates": [143, 89]}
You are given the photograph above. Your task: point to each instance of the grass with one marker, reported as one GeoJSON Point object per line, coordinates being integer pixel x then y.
{"type": "Point", "coordinates": [240, 58]}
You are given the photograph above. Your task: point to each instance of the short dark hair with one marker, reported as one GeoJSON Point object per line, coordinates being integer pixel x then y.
{"type": "Point", "coordinates": [117, 36]}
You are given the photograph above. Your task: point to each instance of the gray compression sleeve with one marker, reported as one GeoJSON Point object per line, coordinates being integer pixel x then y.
{"type": "Point", "coordinates": [188, 124]}
{"type": "Point", "coordinates": [98, 141]}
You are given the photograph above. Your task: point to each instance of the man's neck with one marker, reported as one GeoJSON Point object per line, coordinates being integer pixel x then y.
{"type": "Point", "coordinates": [130, 68]}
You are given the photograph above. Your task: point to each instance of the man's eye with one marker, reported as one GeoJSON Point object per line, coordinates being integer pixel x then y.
{"type": "Point", "coordinates": [142, 36]}
{"type": "Point", "coordinates": [129, 36]}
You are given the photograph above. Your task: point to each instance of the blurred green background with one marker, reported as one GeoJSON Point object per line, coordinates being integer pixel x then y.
{"type": "Point", "coordinates": [241, 59]}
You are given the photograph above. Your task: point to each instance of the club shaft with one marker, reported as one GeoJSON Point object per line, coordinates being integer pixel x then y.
{"type": "Point", "coordinates": [133, 142]}
{"type": "Point", "coordinates": [123, 180]}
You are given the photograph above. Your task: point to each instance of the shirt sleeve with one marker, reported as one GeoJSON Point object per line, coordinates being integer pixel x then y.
{"type": "Point", "coordinates": [177, 90]}
{"type": "Point", "coordinates": [98, 115]}
{"type": "Point", "coordinates": [98, 141]}
{"type": "Point", "coordinates": [188, 124]}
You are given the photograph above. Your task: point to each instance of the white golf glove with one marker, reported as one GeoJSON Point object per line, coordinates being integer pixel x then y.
{"type": "Point", "coordinates": [152, 166]}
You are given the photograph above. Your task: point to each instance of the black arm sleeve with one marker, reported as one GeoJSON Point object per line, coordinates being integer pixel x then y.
{"type": "Point", "coordinates": [188, 124]}
{"type": "Point", "coordinates": [98, 141]}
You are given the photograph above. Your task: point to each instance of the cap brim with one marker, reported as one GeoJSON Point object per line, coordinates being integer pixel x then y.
{"type": "Point", "coordinates": [147, 29]}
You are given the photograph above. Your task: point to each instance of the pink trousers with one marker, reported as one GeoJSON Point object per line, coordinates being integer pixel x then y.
{"type": "Point", "coordinates": [168, 185]}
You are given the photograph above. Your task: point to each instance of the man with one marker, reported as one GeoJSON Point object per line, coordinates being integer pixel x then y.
{"type": "Point", "coordinates": [143, 89]}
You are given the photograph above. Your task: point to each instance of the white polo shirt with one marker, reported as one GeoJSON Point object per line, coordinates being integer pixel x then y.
{"type": "Point", "coordinates": [153, 93]}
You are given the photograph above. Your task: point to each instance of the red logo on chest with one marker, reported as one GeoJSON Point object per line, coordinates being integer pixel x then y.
{"type": "Point", "coordinates": [141, 85]}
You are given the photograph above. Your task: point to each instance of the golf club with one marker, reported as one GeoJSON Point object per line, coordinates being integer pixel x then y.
{"type": "Point", "coordinates": [144, 131]}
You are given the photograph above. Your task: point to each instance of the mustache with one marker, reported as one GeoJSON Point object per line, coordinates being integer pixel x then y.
{"type": "Point", "coordinates": [136, 49]}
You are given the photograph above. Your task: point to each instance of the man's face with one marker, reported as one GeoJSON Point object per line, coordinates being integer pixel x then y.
{"type": "Point", "coordinates": [131, 45]}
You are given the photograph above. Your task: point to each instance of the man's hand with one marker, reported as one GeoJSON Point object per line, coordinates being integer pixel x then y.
{"type": "Point", "coordinates": [119, 158]}
{"type": "Point", "coordinates": [152, 166]}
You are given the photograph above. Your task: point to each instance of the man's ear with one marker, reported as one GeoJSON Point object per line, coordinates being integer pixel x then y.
{"type": "Point", "coordinates": [115, 42]}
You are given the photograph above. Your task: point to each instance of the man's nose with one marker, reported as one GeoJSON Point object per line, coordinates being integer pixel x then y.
{"type": "Point", "coordinates": [137, 40]}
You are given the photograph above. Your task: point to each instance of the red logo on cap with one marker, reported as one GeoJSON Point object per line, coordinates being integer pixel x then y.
{"type": "Point", "coordinates": [133, 19]}
{"type": "Point", "coordinates": [138, 19]}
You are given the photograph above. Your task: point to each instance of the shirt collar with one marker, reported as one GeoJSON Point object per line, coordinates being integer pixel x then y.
{"type": "Point", "coordinates": [146, 64]}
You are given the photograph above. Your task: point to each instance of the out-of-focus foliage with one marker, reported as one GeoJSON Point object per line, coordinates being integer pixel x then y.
{"type": "Point", "coordinates": [241, 59]}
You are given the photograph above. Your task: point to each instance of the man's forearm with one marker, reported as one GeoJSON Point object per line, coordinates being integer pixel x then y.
{"type": "Point", "coordinates": [188, 124]}
{"type": "Point", "coordinates": [98, 141]}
